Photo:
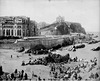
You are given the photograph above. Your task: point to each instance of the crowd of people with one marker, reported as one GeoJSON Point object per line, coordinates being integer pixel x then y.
{"type": "Point", "coordinates": [51, 58]}
{"type": "Point", "coordinates": [58, 70]}
{"type": "Point", "coordinates": [73, 73]}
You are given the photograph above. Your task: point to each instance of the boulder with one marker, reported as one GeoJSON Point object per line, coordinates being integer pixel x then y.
{"type": "Point", "coordinates": [79, 46]}
{"type": "Point", "coordinates": [21, 49]}
{"type": "Point", "coordinates": [96, 49]}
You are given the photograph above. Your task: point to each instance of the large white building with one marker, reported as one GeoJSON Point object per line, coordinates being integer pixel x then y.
{"type": "Point", "coordinates": [14, 26]}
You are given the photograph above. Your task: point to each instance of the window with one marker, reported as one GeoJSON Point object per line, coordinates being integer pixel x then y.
{"type": "Point", "coordinates": [19, 32]}
{"type": "Point", "coordinates": [12, 32]}
{"type": "Point", "coordinates": [3, 32]}
{"type": "Point", "coordinates": [18, 26]}
{"type": "Point", "coordinates": [7, 32]}
{"type": "Point", "coordinates": [15, 32]}
{"type": "Point", "coordinates": [8, 26]}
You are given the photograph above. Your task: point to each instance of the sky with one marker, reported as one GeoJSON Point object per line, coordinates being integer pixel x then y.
{"type": "Point", "coordinates": [85, 12]}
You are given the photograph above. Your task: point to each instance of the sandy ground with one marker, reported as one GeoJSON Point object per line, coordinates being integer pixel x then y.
{"type": "Point", "coordinates": [83, 53]}
{"type": "Point", "coordinates": [10, 64]}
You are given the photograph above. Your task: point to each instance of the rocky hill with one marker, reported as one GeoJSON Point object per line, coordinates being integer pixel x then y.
{"type": "Point", "coordinates": [63, 28]}
{"type": "Point", "coordinates": [76, 27]}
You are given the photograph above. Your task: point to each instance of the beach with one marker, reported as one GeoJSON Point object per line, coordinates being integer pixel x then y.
{"type": "Point", "coordinates": [10, 64]}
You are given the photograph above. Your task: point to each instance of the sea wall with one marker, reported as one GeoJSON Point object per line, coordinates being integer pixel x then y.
{"type": "Point", "coordinates": [47, 42]}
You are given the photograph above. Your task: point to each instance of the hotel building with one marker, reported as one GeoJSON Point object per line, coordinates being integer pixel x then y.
{"type": "Point", "coordinates": [15, 26]}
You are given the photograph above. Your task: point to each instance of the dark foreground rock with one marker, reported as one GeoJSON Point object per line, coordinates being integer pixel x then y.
{"type": "Point", "coordinates": [77, 28]}
{"type": "Point", "coordinates": [96, 49]}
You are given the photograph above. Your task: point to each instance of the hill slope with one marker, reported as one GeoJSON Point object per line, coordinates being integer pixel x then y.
{"type": "Point", "coordinates": [63, 28]}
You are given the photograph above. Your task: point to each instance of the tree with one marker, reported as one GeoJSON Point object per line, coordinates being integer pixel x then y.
{"type": "Point", "coordinates": [33, 28]}
{"type": "Point", "coordinates": [42, 24]}
{"type": "Point", "coordinates": [60, 19]}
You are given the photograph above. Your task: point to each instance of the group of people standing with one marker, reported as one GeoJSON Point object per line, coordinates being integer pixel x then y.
{"type": "Point", "coordinates": [74, 73]}
{"type": "Point", "coordinates": [16, 75]}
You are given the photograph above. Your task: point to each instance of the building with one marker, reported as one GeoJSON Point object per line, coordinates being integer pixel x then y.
{"type": "Point", "coordinates": [49, 30]}
{"type": "Point", "coordinates": [18, 26]}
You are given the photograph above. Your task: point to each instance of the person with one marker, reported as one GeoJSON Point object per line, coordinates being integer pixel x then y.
{"type": "Point", "coordinates": [29, 61]}
{"type": "Point", "coordinates": [79, 77]}
{"type": "Point", "coordinates": [15, 71]}
{"type": "Point", "coordinates": [55, 75]}
{"type": "Point", "coordinates": [96, 75]}
{"type": "Point", "coordinates": [39, 79]}
{"type": "Point", "coordinates": [76, 58]}
{"type": "Point", "coordinates": [32, 74]}
{"type": "Point", "coordinates": [12, 76]}
{"type": "Point", "coordinates": [11, 56]}
{"type": "Point", "coordinates": [91, 76]}
{"type": "Point", "coordinates": [43, 79]}
{"type": "Point", "coordinates": [22, 73]}
{"type": "Point", "coordinates": [74, 48]}
{"type": "Point", "coordinates": [1, 71]}
{"type": "Point", "coordinates": [15, 74]}
{"type": "Point", "coordinates": [25, 76]}
{"type": "Point", "coordinates": [17, 56]}
{"type": "Point", "coordinates": [23, 63]}
{"type": "Point", "coordinates": [19, 75]}
{"type": "Point", "coordinates": [8, 77]}
{"type": "Point", "coordinates": [75, 76]}
{"type": "Point", "coordinates": [29, 54]}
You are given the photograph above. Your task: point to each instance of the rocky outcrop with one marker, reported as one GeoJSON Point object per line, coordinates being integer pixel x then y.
{"type": "Point", "coordinates": [77, 28]}
{"type": "Point", "coordinates": [63, 28]}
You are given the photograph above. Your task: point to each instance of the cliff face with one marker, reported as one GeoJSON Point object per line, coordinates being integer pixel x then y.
{"type": "Point", "coordinates": [77, 28]}
{"type": "Point", "coordinates": [64, 28]}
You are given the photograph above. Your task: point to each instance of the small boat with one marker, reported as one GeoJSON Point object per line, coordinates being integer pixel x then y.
{"type": "Point", "coordinates": [21, 49]}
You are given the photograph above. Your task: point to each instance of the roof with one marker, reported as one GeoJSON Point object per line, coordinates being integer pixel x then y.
{"type": "Point", "coordinates": [49, 26]}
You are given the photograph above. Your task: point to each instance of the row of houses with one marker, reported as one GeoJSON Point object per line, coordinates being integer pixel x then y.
{"type": "Point", "coordinates": [19, 26]}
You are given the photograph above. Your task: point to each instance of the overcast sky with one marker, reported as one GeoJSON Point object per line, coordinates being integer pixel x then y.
{"type": "Point", "coordinates": [85, 12]}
